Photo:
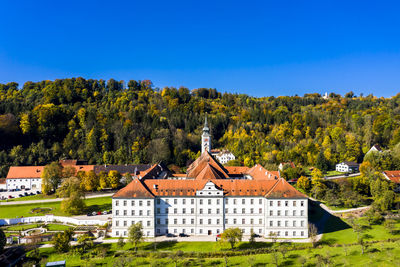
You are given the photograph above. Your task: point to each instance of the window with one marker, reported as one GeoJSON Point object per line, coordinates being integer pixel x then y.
{"type": "Point", "coordinates": [183, 221]}
{"type": "Point", "coordinates": [192, 201]}
{"type": "Point", "coordinates": [132, 212]}
{"type": "Point", "coordinates": [251, 210]}
{"type": "Point", "coordinates": [279, 223]}
{"type": "Point", "coordinates": [158, 210]}
{"type": "Point", "coordinates": [243, 211]}
{"type": "Point", "coordinates": [302, 233]}
{"type": "Point", "coordinates": [183, 211]}
{"type": "Point", "coordinates": [251, 221]}
{"type": "Point", "coordinates": [286, 223]}
{"type": "Point", "coordinates": [209, 221]}
{"type": "Point", "coordinates": [209, 211]}
{"type": "Point", "coordinates": [158, 202]}
{"type": "Point", "coordinates": [140, 203]}
{"type": "Point", "coordinates": [201, 221]}
{"type": "Point", "coordinates": [133, 203]}
{"type": "Point", "coordinates": [191, 221]}
{"type": "Point", "coordinates": [294, 223]}
{"type": "Point", "coordinates": [226, 211]}
{"type": "Point", "coordinates": [271, 213]}
{"type": "Point", "coordinates": [302, 223]}
{"type": "Point", "coordinates": [192, 231]}
{"type": "Point", "coordinates": [175, 221]}
{"type": "Point", "coordinates": [217, 221]}
{"type": "Point", "coordinates": [294, 203]}
{"type": "Point", "coordinates": [294, 213]}
{"type": "Point", "coordinates": [201, 231]}
{"type": "Point", "coordinates": [259, 221]}
{"type": "Point", "coordinates": [166, 222]}
{"type": "Point", "coordinates": [251, 201]}
{"type": "Point", "coordinates": [183, 201]}
{"type": "Point", "coordinates": [158, 221]}
{"type": "Point", "coordinates": [302, 213]}
{"type": "Point", "coordinates": [286, 203]}
{"type": "Point", "coordinates": [271, 203]}
{"type": "Point", "coordinates": [260, 201]}
{"type": "Point", "coordinates": [286, 212]}
{"type": "Point", "coordinates": [125, 212]}
{"type": "Point", "coordinates": [217, 211]}
{"type": "Point", "coordinates": [132, 222]}
{"type": "Point", "coordinates": [116, 203]}
{"type": "Point", "coordinates": [226, 201]}
{"type": "Point", "coordinates": [201, 211]}
{"type": "Point", "coordinates": [166, 210]}
{"type": "Point", "coordinates": [217, 201]}
{"type": "Point", "coordinates": [124, 203]}
{"type": "Point", "coordinates": [148, 203]}
{"type": "Point", "coordinates": [116, 223]}
{"type": "Point", "coordinates": [302, 203]}
{"type": "Point", "coordinates": [117, 233]}
{"type": "Point", "coordinates": [175, 231]}
{"type": "Point", "coordinates": [286, 233]}
{"type": "Point", "coordinates": [294, 233]}
{"type": "Point", "coordinates": [175, 201]}
{"type": "Point", "coordinates": [234, 221]}
{"type": "Point", "coordinates": [243, 201]}
{"type": "Point", "coordinates": [117, 212]}
{"type": "Point", "coordinates": [201, 202]}
{"type": "Point", "coordinates": [279, 213]}
{"type": "Point", "coordinates": [158, 231]}
{"type": "Point", "coordinates": [226, 221]}
{"type": "Point", "coordinates": [192, 210]}
{"type": "Point", "coordinates": [234, 211]}
{"type": "Point", "coordinates": [279, 203]}
{"type": "Point", "coordinates": [175, 211]}
{"type": "Point", "coordinates": [209, 202]}
{"type": "Point", "coordinates": [148, 213]}
{"type": "Point", "coordinates": [234, 201]}
{"type": "Point", "coordinates": [243, 221]}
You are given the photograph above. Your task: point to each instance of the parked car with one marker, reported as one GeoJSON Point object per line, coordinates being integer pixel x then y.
{"type": "Point", "coordinates": [219, 236]}
{"type": "Point", "coordinates": [109, 212]}
{"type": "Point", "coordinates": [20, 195]}
{"type": "Point", "coordinates": [94, 213]}
{"type": "Point", "coordinates": [105, 212]}
{"type": "Point", "coordinates": [170, 235]}
{"type": "Point", "coordinates": [31, 194]}
{"type": "Point", "coordinates": [27, 189]}
{"type": "Point", "coordinates": [10, 196]}
{"type": "Point", "coordinates": [89, 214]}
{"type": "Point", "coordinates": [38, 192]}
{"type": "Point", "coordinates": [183, 235]}
{"type": "Point", "coordinates": [26, 194]}
{"type": "Point", "coordinates": [99, 213]}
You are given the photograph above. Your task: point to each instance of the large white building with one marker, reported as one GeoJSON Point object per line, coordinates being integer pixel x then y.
{"type": "Point", "coordinates": [210, 198]}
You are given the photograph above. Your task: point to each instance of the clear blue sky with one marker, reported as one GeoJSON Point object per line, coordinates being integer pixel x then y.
{"type": "Point", "coordinates": [260, 48]}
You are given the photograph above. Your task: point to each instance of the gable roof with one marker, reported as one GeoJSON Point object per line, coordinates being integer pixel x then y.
{"type": "Point", "coordinates": [209, 172]}
{"type": "Point", "coordinates": [282, 189]}
{"type": "Point", "coordinates": [258, 172]}
{"type": "Point", "coordinates": [134, 189]}
{"type": "Point", "coordinates": [393, 176]}
{"type": "Point", "coordinates": [200, 163]}
{"type": "Point", "coordinates": [350, 163]}
{"type": "Point", "coordinates": [26, 172]}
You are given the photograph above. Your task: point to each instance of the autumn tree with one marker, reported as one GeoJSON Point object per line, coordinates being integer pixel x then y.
{"type": "Point", "coordinates": [114, 178]}
{"type": "Point", "coordinates": [304, 183]}
{"type": "Point", "coordinates": [135, 234]}
{"type": "Point", "coordinates": [61, 240]}
{"type": "Point", "coordinates": [90, 181]}
{"type": "Point", "coordinates": [51, 177]}
{"type": "Point", "coordinates": [232, 236]}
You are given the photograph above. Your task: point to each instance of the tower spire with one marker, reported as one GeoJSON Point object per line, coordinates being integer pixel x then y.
{"type": "Point", "coordinates": [205, 137]}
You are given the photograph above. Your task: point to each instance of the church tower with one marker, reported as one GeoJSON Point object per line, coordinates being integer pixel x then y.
{"type": "Point", "coordinates": [206, 138]}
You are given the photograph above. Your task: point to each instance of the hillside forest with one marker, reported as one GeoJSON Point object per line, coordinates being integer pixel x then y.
{"type": "Point", "coordinates": [113, 122]}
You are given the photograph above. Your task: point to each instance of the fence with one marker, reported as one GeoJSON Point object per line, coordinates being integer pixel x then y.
{"type": "Point", "coordinates": [52, 218]}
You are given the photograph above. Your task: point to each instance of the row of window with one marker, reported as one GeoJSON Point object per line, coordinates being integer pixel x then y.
{"type": "Point", "coordinates": [210, 211]}
{"type": "Point", "coordinates": [125, 223]}
{"type": "Point", "coordinates": [21, 180]}
{"type": "Point", "coordinates": [133, 202]}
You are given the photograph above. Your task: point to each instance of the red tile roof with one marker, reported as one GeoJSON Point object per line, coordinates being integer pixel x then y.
{"type": "Point", "coordinates": [232, 187]}
{"type": "Point", "coordinates": [200, 163]}
{"type": "Point", "coordinates": [393, 176]}
{"type": "Point", "coordinates": [27, 172]}
{"type": "Point", "coordinates": [258, 172]}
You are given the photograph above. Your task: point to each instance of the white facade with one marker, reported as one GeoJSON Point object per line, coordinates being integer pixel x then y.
{"type": "Point", "coordinates": [224, 156]}
{"type": "Point", "coordinates": [209, 212]}
{"type": "Point", "coordinates": [22, 183]}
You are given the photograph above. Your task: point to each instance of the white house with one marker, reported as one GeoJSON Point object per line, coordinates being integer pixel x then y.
{"type": "Point", "coordinates": [347, 166]}
{"type": "Point", "coordinates": [393, 176]}
{"type": "Point", "coordinates": [223, 156]}
{"type": "Point", "coordinates": [375, 148]}
{"type": "Point", "coordinates": [210, 198]}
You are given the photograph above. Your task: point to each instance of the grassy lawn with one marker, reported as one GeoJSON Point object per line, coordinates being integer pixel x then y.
{"type": "Point", "coordinates": [58, 227]}
{"type": "Point", "coordinates": [333, 173]}
{"type": "Point", "coordinates": [380, 254]}
{"type": "Point", "coordinates": [51, 227]}
{"type": "Point", "coordinates": [13, 211]}
{"type": "Point", "coordinates": [34, 197]}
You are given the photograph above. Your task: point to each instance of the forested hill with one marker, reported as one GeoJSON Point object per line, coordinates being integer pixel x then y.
{"type": "Point", "coordinates": [107, 122]}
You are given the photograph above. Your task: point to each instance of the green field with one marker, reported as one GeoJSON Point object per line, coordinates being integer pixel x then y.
{"type": "Point", "coordinates": [13, 211]}
{"type": "Point", "coordinates": [23, 227]}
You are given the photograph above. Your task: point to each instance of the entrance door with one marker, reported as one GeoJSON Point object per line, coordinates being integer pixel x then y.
{"type": "Point", "coordinates": [209, 232]}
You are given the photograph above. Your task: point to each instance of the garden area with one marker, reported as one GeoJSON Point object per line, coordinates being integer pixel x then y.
{"type": "Point", "coordinates": [28, 210]}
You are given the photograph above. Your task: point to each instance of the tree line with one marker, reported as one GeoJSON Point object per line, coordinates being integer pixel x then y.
{"type": "Point", "coordinates": [114, 122]}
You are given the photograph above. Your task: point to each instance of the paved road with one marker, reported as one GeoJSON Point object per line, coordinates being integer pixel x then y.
{"type": "Point", "coordinates": [341, 176]}
{"type": "Point", "coordinates": [50, 200]}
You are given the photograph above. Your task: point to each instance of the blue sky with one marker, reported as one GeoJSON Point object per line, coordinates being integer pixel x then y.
{"type": "Point", "coordinates": [261, 48]}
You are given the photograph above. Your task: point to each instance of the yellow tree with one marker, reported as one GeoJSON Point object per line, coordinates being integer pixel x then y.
{"type": "Point", "coordinates": [114, 178]}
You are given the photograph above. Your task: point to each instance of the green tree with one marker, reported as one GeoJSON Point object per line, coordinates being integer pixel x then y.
{"type": "Point", "coordinates": [135, 234]}
{"type": "Point", "coordinates": [103, 180]}
{"type": "Point", "coordinates": [322, 163]}
{"type": "Point", "coordinates": [73, 205]}
{"type": "Point", "coordinates": [61, 241]}
{"type": "Point", "coordinates": [121, 242]}
{"type": "Point", "coordinates": [85, 242]}
{"type": "Point", "coordinates": [304, 183]}
{"type": "Point", "coordinates": [51, 177]}
{"type": "Point", "coordinates": [232, 236]}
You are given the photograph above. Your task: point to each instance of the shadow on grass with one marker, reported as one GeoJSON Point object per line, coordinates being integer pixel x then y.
{"type": "Point", "coordinates": [255, 245]}
{"type": "Point", "coordinates": [324, 221]}
{"type": "Point", "coordinates": [102, 207]}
